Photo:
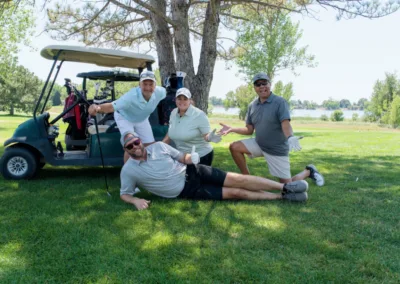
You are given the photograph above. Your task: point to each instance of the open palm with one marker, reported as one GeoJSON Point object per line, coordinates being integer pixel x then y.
{"type": "Point", "coordinates": [225, 129]}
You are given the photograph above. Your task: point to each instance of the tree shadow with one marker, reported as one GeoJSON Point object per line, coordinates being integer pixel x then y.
{"type": "Point", "coordinates": [93, 237]}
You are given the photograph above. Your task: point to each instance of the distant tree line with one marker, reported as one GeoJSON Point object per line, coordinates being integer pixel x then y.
{"type": "Point", "coordinates": [331, 104]}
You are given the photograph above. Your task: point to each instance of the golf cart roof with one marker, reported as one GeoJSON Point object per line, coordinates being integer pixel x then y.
{"type": "Point", "coordinates": [114, 75]}
{"type": "Point", "coordinates": [98, 56]}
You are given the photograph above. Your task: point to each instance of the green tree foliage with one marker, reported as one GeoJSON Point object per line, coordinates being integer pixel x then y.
{"type": "Point", "coordinates": [241, 98]}
{"type": "Point", "coordinates": [331, 104]}
{"type": "Point", "coordinates": [344, 103]}
{"type": "Point", "coordinates": [168, 26]}
{"type": "Point", "coordinates": [394, 117]}
{"type": "Point", "coordinates": [337, 115]}
{"type": "Point", "coordinates": [362, 103]}
{"type": "Point", "coordinates": [268, 43]}
{"type": "Point", "coordinates": [16, 23]}
{"type": "Point", "coordinates": [285, 91]}
{"type": "Point", "coordinates": [383, 95]}
{"type": "Point", "coordinates": [21, 91]}
{"type": "Point", "coordinates": [216, 101]}
{"type": "Point", "coordinates": [56, 98]}
{"type": "Point", "coordinates": [354, 117]}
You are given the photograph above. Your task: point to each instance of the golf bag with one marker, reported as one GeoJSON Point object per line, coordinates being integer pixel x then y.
{"type": "Point", "coordinates": [76, 117]}
{"type": "Point", "coordinates": [171, 84]}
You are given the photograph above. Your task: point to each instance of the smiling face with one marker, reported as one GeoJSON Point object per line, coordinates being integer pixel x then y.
{"type": "Point", "coordinates": [135, 148]}
{"type": "Point", "coordinates": [262, 88]}
{"type": "Point", "coordinates": [147, 87]}
{"type": "Point", "coordinates": [182, 103]}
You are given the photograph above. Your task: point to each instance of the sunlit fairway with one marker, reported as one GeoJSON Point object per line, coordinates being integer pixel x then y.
{"type": "Point", "coordinates": [62, 227]}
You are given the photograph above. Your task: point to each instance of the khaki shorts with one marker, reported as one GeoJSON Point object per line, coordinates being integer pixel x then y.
{"type": "Point", "coordinates": [279, 166]}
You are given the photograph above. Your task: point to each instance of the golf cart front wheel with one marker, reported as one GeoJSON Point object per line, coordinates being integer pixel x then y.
{"type": "Point", "coordinates": [18, 163]}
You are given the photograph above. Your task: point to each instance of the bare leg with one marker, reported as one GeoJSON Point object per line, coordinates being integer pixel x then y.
{"type": "Point", "coordinates": [237, 151]}
{"type": "Point", "coordinates": [249, 182]}
{"type": "Point", "coordinates": [302, 175]}
{"type": "Point", "coordinates": [243, 194]}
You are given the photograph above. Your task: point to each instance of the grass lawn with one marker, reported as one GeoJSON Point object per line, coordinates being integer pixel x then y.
{"type": "Point", "coordinates": [62, 227]}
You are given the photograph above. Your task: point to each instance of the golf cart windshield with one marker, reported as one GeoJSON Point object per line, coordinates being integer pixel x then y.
{"type": "Point", "coordinates": [111, 75]}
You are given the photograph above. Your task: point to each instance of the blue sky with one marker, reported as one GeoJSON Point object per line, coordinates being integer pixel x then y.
{"type": "Point", "coordinates": [351, 56]}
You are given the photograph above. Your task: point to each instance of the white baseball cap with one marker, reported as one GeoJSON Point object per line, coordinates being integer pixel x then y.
{"type": "Point", "coordinates": [147, 75]}
{"type": "Point", "coordinates": [183, 92]}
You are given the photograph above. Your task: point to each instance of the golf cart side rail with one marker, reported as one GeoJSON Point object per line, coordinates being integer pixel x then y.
{"type": "Point", "coordinates": [45, 84]}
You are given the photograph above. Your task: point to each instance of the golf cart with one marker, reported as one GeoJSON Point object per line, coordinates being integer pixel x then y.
{"type": "Point", "coordinates": [34, 142]}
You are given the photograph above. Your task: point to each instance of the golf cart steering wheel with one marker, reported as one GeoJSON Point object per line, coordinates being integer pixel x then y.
{"type": "Point", "coordinates": [111, 128]}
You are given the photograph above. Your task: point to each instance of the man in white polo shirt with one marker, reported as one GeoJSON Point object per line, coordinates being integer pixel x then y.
{"type": "Point", "coordinates": [132, 110]}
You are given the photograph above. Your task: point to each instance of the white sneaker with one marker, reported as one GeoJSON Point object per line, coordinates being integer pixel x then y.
{"type": "Point", "coordinates": [136, 191]}
{"type": "Point", "coordinates": [315, 175]}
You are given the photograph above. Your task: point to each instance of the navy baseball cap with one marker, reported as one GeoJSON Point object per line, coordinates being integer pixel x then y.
{"type": "Point", "coordinates": [260, 76]}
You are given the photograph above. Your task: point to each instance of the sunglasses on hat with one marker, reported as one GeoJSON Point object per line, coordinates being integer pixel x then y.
{"type": "Point", "coordinates": [136, 143]}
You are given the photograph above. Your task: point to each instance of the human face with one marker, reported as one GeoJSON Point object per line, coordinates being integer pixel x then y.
{"type": "Point", "coordinates": [262, 88]}
{"type": "Point", "coordinates": [147, 87]}
{"type": "Point", "coordinates": [135, 148]}
{"type": "Point", "coordinates": [182, 103]}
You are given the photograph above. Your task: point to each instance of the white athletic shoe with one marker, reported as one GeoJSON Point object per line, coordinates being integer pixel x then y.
{"type": "Point", "coordinates": [315, 175]}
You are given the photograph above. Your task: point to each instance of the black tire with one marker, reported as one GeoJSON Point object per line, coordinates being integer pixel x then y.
{"type": "Point", "coordinates": [18, 163]}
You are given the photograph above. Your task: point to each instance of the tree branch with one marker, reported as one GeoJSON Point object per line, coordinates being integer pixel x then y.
{"type": "Point", "coordinates": [129, 8]}
{"type": "Point", "coordinates": [156, 12]}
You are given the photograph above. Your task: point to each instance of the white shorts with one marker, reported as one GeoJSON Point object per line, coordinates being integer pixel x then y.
{"type": "Point", "coordinates": [279, 166]}
{"type": "Point", "coordinates": [142, 129]}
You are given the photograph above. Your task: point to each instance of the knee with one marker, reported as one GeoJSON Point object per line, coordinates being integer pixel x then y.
{"type": "Point", "coordinates": [234, 147]}
{"type": "Point", "coordinates": [237, 180]}
{"type": "Point", "coordinates": [238, 193]}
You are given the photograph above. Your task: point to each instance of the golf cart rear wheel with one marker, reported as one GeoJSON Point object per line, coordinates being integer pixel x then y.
{"type": "Point", "coordinates": [18, 163]}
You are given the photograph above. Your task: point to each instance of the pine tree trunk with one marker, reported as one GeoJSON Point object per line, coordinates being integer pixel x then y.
{"type": "Point", "coordinates": [12, 109]}
{"type": "Point", "coordinates": [202, 81]}
{"type": "Point", "coordinates": [163, 40]}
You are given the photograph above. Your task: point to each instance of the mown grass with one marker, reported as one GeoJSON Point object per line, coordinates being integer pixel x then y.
{"type": "Point", "coordinates": [62, 227]}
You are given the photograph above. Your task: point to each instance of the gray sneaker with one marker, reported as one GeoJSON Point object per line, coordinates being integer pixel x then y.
{"type": "Point", "coordinates": [295, 187]}
{"type": "Point", "coordinates": [315, 175]}
{"type": "Point", "coordinates": [296, 197]}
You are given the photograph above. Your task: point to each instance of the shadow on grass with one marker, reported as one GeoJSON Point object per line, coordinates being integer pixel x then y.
{"type": "Point", "coordinates": [64, 228]}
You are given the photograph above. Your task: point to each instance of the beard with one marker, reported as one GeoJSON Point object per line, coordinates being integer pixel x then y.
{"type": "Point", "coordinates": [138, 154]}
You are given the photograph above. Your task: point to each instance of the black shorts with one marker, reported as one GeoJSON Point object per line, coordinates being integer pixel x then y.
{"type": "Point", "coordinates": [203, 183]}
{"type": "Point", "coordinates": [207, 159]}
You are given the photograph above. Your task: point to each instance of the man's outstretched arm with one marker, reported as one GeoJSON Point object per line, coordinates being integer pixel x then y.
{"type": "Point", "coordinates": [103, 108]}
{"type": "Point", "coordinates": [226, 129]}
{"type": "Point", "coordinates": [140, 204]}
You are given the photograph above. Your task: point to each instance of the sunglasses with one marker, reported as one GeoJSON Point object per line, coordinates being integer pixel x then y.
{"type": "Point", "coordinates": [136, 143]}
{"type": "Point", "coordinates": [261, 84]}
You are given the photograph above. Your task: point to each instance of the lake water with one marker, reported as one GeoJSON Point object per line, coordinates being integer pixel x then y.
{"type": "Point", "coordinates": [314, 113]}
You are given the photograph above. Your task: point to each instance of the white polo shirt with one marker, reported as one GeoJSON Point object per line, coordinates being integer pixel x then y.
{"type": "Point", "coordinates": [189, 130]}
{"type": "Point", "coordinates": [134, 108]}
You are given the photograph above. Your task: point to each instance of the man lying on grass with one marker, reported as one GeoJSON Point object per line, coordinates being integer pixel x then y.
{"type": "Point", "coordinates": [166, 172]}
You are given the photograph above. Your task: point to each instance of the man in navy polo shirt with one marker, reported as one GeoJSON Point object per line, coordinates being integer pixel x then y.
{"type": "Point", "coordinates": [269, 116]}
